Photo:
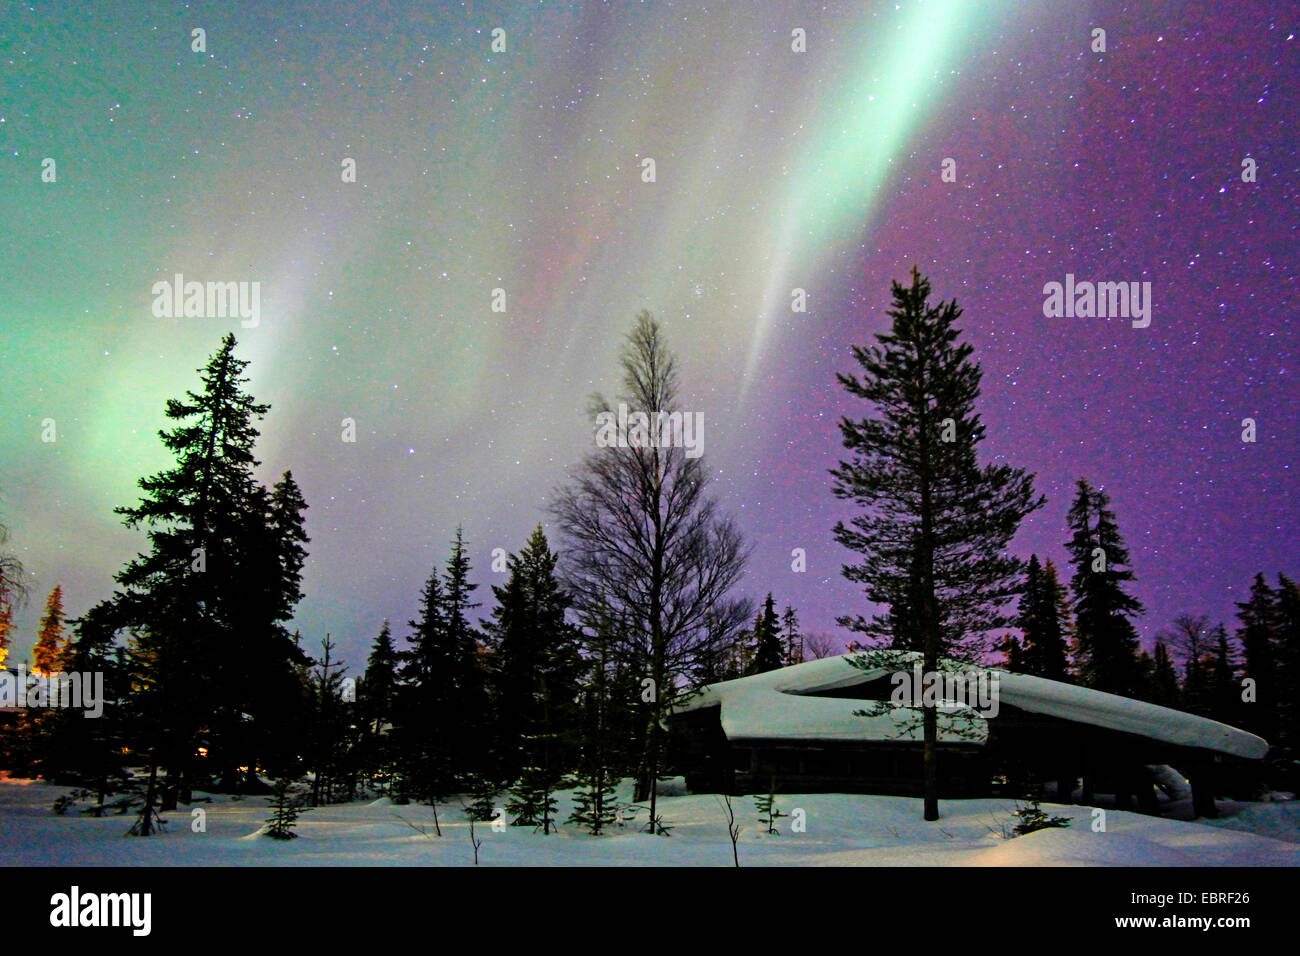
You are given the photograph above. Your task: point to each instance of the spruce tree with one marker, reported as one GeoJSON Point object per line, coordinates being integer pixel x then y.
{"type": "Point", "coordinates": [1017, 656]}
{"type": "Point", "coordinates": [376, 703]}
{"type": "Point", "coordinates": [1286, 651]}
{"type": "Point", "coordinates": [1044, 652]}
{"type": "Point", "coordinates": [426, 716]}
{"type": "Point", "coordinates": [1054, 639]}
{"type": "Point", "coordinates": [327, 733]}
{"type": "Point", "coordinates": [1257, 634]}
{"type": "Point", "coordinates": [536, 681]}
{"type": "Point", "coordinates": [1013, 655]}
{"type": "Point", "coordinates": [717, 660]}
{"type": "Point", "coordinates": [269, 659]}
{"type": "Point", "coordinates": [285, 518]}
{"type": "Point", "coordinates": [1032, 817]}
{"type": "Point", "coordinates": [740, 660]}
{"type": "Point", "coordinates": [483, 806]}
{"type": "Point", "coordinates": [470, 676]}
{"type": "Point", "coordinates": [188, 601]}
{"type": "Point", "coordinates": [51, 646]}
{"type": "Point", "coordinates": [1164, 689]}
{"type": "Point", "coordinates": [769, 813]}
{"type": "Point", "coordinates": [1146, 676]}
{"type": "Point", "coordinates": [13, 592]}
{"type": "Point", "coordinates": [1225, 697]}
{"type": "Point", "coordinates": [286, 805]}
{"type": "Point", "coordinates": [92, 754]}
{"type": "Point", "coordinates": [791, 636]}
{"type": "Point", "coordinates": [206, 607]}
{"type": "Point", "coordinates": [537, 665]}
{"type": "Point", "coordinates": [532, 799]}
{"type": "Point", "coordinates": [60, 744]}
{"type": "Point", "coordinates": [379, 683]}
{"type": "Point", "coordinates": [148, 821]}
{"type": "Point", "coordinates": [768, 652]}
{"type": "Point", "coordinates": [1106, 642]}
{"type": "Point", "coordinates": [442, 699]}
{"type": "Point", "coordinates": [595, 802]}
{"type": "Point", "coordinates": [933, 524]}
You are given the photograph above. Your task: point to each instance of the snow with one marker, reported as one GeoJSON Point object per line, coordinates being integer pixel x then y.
{"type": "Point", "coordinates": [1171, 783]}
{"type": "Point", "coordinates": [1081, 704]}
{"type": "Point", "coordinates": [753, 713]}
{"type": "Point", "coordinates": [751, 708]}
{"type": "Point", "coordinates": [842, 830]}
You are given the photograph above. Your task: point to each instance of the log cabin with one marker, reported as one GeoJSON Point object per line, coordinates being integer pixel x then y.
{"type": "Point", "coordinates": [830, 726]}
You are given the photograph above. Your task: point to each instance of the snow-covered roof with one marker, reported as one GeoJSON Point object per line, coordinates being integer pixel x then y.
{"type": "Point", "coordinates": [782, 704]}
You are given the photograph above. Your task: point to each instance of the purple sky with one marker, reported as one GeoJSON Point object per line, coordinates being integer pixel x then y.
{"type": "Point", "coordinates": [522, 170]}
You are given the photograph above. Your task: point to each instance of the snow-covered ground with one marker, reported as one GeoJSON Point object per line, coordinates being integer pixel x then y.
{"type": "Point", "coordinates": [842, 830]}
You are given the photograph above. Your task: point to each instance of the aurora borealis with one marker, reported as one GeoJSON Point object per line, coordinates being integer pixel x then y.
{"type": "Point", "coordinates": [521, 170]}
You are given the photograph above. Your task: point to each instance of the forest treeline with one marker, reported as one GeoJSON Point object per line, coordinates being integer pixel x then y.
{"type": "Point", "coordinates": [565, 681]}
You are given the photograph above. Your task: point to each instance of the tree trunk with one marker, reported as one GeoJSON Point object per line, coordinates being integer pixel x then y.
{"type": "Point", "coordinates": [1146, 791]}
{"type": "Point", "coordinates": [654, 763]}
{"type": "Point", "coordinates": [1202, 781]}
{"type": "Point", "coordinates": [929, 621]}
{"type": "Point", "coordinates": [168, 797]}
{"type": "Point", "coordinates": [1087, 794]}
{"type": "Point", "coordinates": [643, 787]}
{"type": "Point", "coordinates": [929, 616]}
{"type": "Point", "coordinates": [1065, 785]}
{"type": "Point", "coordinates": [931, 722]}
{"type": "Point", "coordinates": [146, 825]}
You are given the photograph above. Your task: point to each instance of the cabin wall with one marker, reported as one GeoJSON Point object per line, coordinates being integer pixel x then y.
{"type": "Point", "coordinates": [1025, 753]}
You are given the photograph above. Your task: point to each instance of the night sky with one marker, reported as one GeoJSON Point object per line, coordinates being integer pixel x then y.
{"type": "Point", "coordinates": [522, 170]}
